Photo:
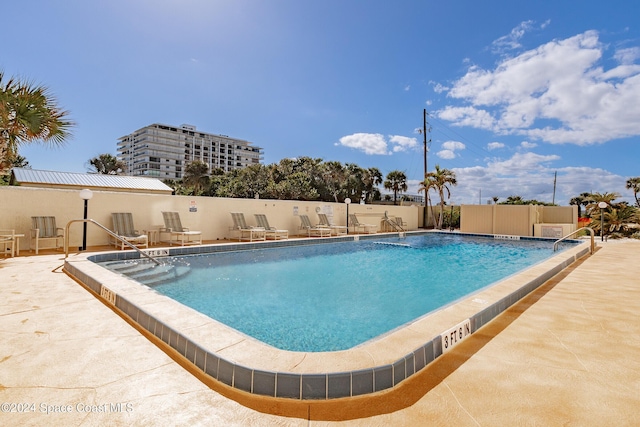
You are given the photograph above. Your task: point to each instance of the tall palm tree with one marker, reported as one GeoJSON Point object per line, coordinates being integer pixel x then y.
{"type": "Point", "coordinates": [28, 114]}
{"type": "Point", "coordinates": [396, 181]}
{"type": "Point", "coordinates": [196, 176]}
{"type": "Point", "coordinates": [107, 164]}
{"type": "Point", "coordinates": [634, 184]}
{"type": "Point", "coordinates": [426, 186]}
{"type": "Point", "coordinates": [440, 180]}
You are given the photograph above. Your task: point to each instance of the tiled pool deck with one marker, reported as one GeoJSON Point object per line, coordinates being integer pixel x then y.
{"type": "Point", "coordinates": [566, 354]}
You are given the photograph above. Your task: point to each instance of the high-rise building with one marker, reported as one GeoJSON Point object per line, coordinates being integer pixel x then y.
{"type": "Point", "coordinates": [163, 151]}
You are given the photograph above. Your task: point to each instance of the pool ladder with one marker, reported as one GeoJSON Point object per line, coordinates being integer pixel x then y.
{"type": "Point", "coordinates": [593, 244]}
{"type": "Point", "coordinates": [111, 233]}
{"type": "Point", "coordinates": [393, 224]}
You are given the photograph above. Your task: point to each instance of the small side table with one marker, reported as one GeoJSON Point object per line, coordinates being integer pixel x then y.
{"type": "Point", "coordinates": [153, 236]}
{"type": "Point", "coordinates": [14, 239]}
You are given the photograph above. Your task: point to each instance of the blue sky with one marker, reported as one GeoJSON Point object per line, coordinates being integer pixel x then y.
{"type": "Point", "coordinates": [515, 91]}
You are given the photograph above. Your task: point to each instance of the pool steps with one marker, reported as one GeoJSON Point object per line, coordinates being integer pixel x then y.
{"type": "Point", "coordinates": [147, 273]}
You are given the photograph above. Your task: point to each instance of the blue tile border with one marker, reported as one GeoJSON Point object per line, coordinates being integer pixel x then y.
{"type": "Point", "coordinates": [317, 386]}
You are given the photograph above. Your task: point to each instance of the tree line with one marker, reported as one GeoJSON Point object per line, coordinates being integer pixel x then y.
{"type": "Point", "coordinates": [302, 178]}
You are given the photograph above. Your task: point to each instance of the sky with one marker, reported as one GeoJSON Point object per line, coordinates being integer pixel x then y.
{"type": "Point", "coordinates": [518, 95]}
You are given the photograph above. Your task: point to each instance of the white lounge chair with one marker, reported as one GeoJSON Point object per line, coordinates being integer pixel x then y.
{"type": "Point", "coordinates": [336, 230]}
{"type": "Point", "coordinates": [123, 227]}
{"type": "Point", "coordinates": [178, 233]}
{"type": "Point", "coordinates": [44, 228]}
{"type": "Point", "coordinates": [270, 232]}
{"type": "Point", "coordinates": [305, 224]}
{"type": "Point", "coordinates": [244, 231]}
{"type": "Point", "coordinates": [357, 225]}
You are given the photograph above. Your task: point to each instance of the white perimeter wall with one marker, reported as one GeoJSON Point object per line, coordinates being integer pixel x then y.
{"type": "Point", "coordinates": [210, 215]}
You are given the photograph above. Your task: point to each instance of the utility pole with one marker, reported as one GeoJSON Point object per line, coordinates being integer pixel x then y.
{"type": "Point", "coordinates": [425, 141]}
{"type": "Point", "coordinates": [424, 133]}
{"type": "Point", "coordinates": [555, 176]}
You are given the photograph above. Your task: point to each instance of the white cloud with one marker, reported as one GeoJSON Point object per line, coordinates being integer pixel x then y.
{"type": "Point", "coordinates": [512, 40]}
{"type": "Point", "coordinates": [530, 176]}
{"type": "Point", "coordinates": [527, 144]}
{"type": "Point", "coordinates": [438, 88]}
{"type": "Point", "coordinates": [376, 144]}
{"type": "Point", "coordinates": [402, 143]}
{"type": "Point", "coordinates": [468, 116]}
{"type": "Point", "coordinates": [558, 93]}
{"type": "Point", "coordinates": [494, 145]}
{"type": "Point", "coordinates": [453, 145]}
{"type": "Point", "coordinates": [522, 163]}
{"type": "Point", "coordinates": [369, 143]}
{"type": "Point", "coordinates": [407, 88]}
{"type": "Point", "coordinates": [627, 56]}
{"type": "Point", "coordinates": [449, 149]}
{"type": "Point", "coordinates": [446, 154]}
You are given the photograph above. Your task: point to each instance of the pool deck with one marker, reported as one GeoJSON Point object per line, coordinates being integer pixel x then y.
{"type": "Point", "coordinates": [567, 354]}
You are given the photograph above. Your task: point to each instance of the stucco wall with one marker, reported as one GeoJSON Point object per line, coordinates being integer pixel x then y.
{"type": "Point", "coordinates": [517, 220]}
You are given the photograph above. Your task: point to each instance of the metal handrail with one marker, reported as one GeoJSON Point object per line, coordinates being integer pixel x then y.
{"type": "Point", "coordinates": [111, 233]}
{"type": "Point", "coordinates": [593, 245]}
{"type": "Point", "coordinates": [392, 223]}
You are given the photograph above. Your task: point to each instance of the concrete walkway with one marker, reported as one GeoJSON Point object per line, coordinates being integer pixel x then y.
{"type": "Point", "coordinates": [569, 354]}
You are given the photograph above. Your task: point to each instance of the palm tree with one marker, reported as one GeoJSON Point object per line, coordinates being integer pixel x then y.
{"type": "Point", "coordinates": [196, 176]}
{"type": "Point", "coordinates": [29, 113]}
{"type": "Point", "coordinates": [440, 180]}
{"type": "Point", "coordinates": [514, 200]}
{"type": "Point", "coordinates": [634, 184]}
{"type": "Point", "coordinates": [372, 178]}
{"type": "Point", "coordinates": [107, 164]}
{"type": "Point", "coordinates": [396, 181]}
{"type": "Point", "coordinates": [621, 218]}
{"type": "Point", "coordinates": [595, 198]}
{"type": "Point", "coordinates": [425, 186]}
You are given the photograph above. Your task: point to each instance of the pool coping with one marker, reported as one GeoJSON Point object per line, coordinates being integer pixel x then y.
{"type": "Point", "coordinates": [246, 364]}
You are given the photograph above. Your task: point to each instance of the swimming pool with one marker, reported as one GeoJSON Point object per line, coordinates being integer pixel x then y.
{"type": "Point", "coordinates": [338, 295]}
{"type": "Point", "coordinates": [232, 359]}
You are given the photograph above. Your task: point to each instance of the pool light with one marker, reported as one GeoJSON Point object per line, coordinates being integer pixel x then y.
{"type": "Point", "coordinates": [85, 195]}
{"type": "Point", "coordinates": [602, 206]}
{"type": "Point", "coordinates": [348, 202]}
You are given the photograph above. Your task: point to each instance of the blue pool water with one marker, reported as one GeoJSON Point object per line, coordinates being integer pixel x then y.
{"type": "Point", "coordinates": [334, 296]}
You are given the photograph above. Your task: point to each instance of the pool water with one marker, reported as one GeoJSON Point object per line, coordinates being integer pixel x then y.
{"type": "Point", "coordinates": [335, 296]}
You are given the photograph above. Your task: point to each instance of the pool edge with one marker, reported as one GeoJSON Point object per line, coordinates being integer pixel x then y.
{"type": "Point", "coordinates": [305, 385]}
